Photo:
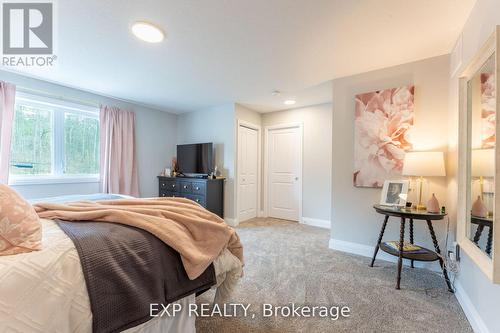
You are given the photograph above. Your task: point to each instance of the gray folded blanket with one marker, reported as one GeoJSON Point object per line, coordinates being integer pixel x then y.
{"type": "Point", "coordinates": [126, 269]}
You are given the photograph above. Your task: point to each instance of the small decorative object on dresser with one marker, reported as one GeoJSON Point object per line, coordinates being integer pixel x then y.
{"type": "Point", "coordinates": [174, 167]}
{"type": "Point", "coordinates": [433, 204]}
{"type": "Point", "coordinates": [207, 192]}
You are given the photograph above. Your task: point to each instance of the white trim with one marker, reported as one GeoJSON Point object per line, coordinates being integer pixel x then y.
{"type": "Point", "coordinates": [52, 102]}
{"type": "Point", "coordinates": [232, 222]}
{"type": "Point", "coordinates": [367, 251]}
{"type": "Point", "coordinates": [470, 311]}
{"type": "Point", "coordinates": [258, 128]}
{"type": "Point", "coordinates": [456, 56]}
{"type": "Point", "coordinates": [316, 222]}
{"type": "Point", "coordinates": [490, 267]}
{"type": "Point", "coordinates": [47, 180]}
{"type": "Point", "coordinates": [267, 129]}
{"type": "Point", "coordinates": [261, 214]}
{"type": "Point", "coordinates": [57, 110]}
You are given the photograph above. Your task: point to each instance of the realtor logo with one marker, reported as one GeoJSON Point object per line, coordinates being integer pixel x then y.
{"type": "Point", "coordinates": [28, 33]}
{"type": "Point", "coordinates": [27, 28]}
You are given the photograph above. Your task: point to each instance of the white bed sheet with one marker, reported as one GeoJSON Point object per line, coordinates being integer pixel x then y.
{"type": "Point", "coordinates": [45, 291]}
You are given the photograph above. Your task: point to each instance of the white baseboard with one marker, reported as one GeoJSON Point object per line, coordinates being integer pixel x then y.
{"type": "Point", "coordinates": [367, 251]}
{"type": "Point", "coordinates": [232, 222]}
{"type": "Point", "coordinates": [315, 222]}
{"type": "Point", "coordinates": [470, 311]}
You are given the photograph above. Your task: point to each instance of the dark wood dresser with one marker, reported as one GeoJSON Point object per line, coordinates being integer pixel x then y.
{"type": "Point", "coordinates": [207, 192]}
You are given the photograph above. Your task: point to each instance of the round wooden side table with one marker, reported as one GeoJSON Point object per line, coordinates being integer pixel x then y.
{"type": "Point", "coordinates": [481, 223]}
{"type": "Point", "coordinates": [422, 254]}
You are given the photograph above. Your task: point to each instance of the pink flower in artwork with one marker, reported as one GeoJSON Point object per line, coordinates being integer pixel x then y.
{"type": "Point", "coordinates": [383, 121]}
{"type": "Point", "coordinates": [488, 107]}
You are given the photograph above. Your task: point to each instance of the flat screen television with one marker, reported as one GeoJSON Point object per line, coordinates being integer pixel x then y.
{"type": "Point", "coordinates": [195, 159]}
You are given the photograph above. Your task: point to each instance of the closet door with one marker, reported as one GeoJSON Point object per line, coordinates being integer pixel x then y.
{"type": "Point", "coordinates": [284, 168]}
{"type": "Point", "coordinates": [248, 149]}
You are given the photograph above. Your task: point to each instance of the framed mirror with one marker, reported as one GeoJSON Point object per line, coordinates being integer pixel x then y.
{"type": "Point", "coordinates": [479, 200]}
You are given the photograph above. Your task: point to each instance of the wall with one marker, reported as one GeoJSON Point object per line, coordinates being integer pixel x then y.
{"type": "Point", "coordinates": [317, 158]}
{"type": "Point", "coordinates": [478, 296]}
{"type": "Point", "coordinates": [219, 125]}
{"type": "Point", "coordinates": [155, 139]}
{"type": "Point", "coordinates": [355, 225]}
{"type": "Point", "coordinates": [215, 125]}
{"type": "Point", "coordinates": [245, 114]}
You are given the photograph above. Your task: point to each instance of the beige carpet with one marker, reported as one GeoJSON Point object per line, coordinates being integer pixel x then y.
{"type": "Point", "coordinates": [288, 262]}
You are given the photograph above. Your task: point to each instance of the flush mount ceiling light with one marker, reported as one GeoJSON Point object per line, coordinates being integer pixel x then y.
{"type": "Point", "coordinates": [289, 102]}
{"type": "Point", "coordinates": [148, 32]}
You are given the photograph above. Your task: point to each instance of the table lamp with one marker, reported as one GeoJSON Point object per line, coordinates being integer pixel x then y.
{"type": "Point", "coordinates": [482, 165]}
{"type": "Point", "coordinates": [423, 164]}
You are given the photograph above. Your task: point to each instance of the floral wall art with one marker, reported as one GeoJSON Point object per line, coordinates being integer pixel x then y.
{"type": "Point", "coordinates": [383, 122]}
{"type": "Point", "coordinates": [488, 107]}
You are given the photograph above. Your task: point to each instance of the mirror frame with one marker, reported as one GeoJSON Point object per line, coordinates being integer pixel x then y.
{"type": "Point", "coordinates": [489, 266]}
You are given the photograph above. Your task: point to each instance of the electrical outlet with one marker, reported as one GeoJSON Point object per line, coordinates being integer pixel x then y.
{"type": "Point", "coordinates": [451, 262]}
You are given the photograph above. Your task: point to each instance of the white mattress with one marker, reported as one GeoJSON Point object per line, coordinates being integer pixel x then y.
{"type": "Point", "coordinates": [44, 291]}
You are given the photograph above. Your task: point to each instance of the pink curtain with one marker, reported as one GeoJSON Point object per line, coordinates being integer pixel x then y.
{"type": "Point", "coordinates": [7, 101]}
{"type": "Point", "coordinates": [118, 164]}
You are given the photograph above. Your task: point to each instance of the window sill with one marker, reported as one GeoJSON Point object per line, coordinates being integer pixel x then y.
{"type": "Point", "coordinates": [52, 180]}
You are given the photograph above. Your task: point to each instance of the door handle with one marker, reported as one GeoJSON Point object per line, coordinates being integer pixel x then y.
{"type": "Point", "coordinates": [296, 178]}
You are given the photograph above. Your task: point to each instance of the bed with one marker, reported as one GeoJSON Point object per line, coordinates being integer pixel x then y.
{"type": "Point", "coordinates": [46, 291]}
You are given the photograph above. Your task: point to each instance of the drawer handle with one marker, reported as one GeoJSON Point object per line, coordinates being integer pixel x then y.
{"type": "Point", "coordinates": [173, 185]}
{"type": "Point", "coordinates": [162, 184]}
{"type": "Point", "coordinates": [197, 200]}
{"type": "Point", "coordinates": [197, 188]}
{"type": "Point", "coordinates": [185, 187]}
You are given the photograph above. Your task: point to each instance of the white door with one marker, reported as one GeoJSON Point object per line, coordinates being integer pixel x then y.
{"type": "Point", "coordinates": [284, 153]}
{"type": "Point", "coordinates": [248, 165]}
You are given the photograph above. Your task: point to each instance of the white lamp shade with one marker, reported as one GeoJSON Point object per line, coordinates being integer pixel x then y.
{"type": "Point", "coordinates": [424, 163]}
{"type": "Point", "coordinates": [483, 163]}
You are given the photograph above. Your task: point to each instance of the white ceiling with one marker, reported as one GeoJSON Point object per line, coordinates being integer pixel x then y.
{"type": "Point", "coordinates": [223, 51]}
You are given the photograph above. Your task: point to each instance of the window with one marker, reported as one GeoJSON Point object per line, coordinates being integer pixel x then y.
{"type": "Point", "coordinates": [54, 141]}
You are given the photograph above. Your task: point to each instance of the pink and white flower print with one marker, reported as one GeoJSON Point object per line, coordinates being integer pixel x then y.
{"type": "Point", "coordinates": [488, 113]}
{"type": "Point", "coordinates": [383, 122]}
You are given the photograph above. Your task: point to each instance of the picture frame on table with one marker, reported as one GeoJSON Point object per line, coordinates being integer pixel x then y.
{"type": "Point", "coordinates": [395, 193]}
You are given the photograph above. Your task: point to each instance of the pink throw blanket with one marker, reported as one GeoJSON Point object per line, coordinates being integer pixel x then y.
{"type": "Point", "coordinates": [197, 234]}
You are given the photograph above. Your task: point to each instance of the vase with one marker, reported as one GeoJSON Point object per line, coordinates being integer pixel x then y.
{"type": "Point", "coordinates": [479, 208]}
{"type": "Point", "coordinates": [433, 204]}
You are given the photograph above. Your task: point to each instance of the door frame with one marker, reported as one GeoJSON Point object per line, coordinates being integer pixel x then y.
{"type": "Point", "coordinates": [258, 128]}
{"type": "Point", "coordinates": [267, 129]}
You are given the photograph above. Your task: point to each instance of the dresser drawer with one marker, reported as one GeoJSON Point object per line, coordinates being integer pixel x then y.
{"type": "Point", "coordinates": [198, 188]}
{"type": "Point", "coordinates": [197, 198]}
{"type": "Point", "coordinates": [169, 194]}
{"type": "Point", "coordinates": [209, 193]}
{"type": "Point", "coordinates": [185, 187]}
{"type": "Point", "coordinates": [168, 185]}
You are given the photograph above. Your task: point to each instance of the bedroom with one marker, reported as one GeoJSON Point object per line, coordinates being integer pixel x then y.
{"type": "Point", "coordinates": [233, 139]}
